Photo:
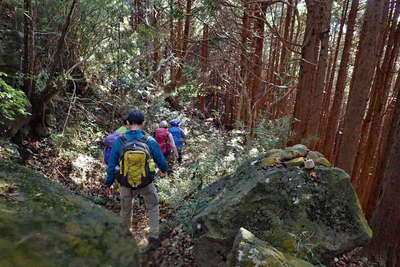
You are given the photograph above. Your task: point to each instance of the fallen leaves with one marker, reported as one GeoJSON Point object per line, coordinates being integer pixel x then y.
{"type": "Point", "coordinates": [352, 259]}
{"type": "Point", "coordinates": [176, 250]}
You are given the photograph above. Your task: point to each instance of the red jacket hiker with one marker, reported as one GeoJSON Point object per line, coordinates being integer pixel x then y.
{"type": "Point", "coordinates": [165, 140]}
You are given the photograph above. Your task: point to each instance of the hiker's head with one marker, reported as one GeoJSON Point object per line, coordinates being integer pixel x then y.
{"type": "Point", "coordinates": [175, 123]}
{"type": "Point", "coordinates": [163, 124]}
{"type": "Point", "coordinates": [136, 119]}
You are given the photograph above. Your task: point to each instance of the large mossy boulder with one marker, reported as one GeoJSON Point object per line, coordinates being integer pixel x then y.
{"type": "Point", "coordinates": [44, 224]}
{"type": "Point", "coordinates": [313, 214]}
{"type": "Point", "coordinates": [249, 251]}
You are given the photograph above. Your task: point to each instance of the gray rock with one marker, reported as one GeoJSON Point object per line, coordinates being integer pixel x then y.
{"type": "Point", "coordinates": [249, 251]}
{"type": "Point", "coordinates": [284, 207]}
{"type": "Point", "coordinates": [44, 224]}
{"type": "Point", "coordinates": [9, 150]}
{"type": "Point", "coordinates": [293, 152]}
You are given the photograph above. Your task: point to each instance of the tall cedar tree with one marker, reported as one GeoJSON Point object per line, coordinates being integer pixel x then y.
{"type": "Point", "coordinates": [29, 47]}
{"type": "Point", "coordinates": [334, 114]}
{"type": "Point", "coordinates": [360, 85]}
{"type": "Point", "coordinates": [313, 65]}
{"type": "Point", "coordinates": [385, 245]}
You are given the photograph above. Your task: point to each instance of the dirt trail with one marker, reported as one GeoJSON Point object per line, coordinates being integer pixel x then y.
{"type": "Point", "coordinates": [176, 246]}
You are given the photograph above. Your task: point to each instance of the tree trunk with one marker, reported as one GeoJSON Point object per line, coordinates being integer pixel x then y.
{"type": "Point", "coordinates": [383, 147]}
{"type": "Point", "coordinates": [358, 180]}
{"type": "Point", "coordinates": [331, 77]}
{"type": "Point", "coordinates": [41, 100]}
{"type": "Point", "coordinates": [283, 56]}
{"type": "Point", "coordinates": [204, 67]}
{"type": "Point", "coordinates": [242, 113]}
{"type": "Point", "coordinates": [385, 73]}
{"type": "Point", "coordinates": [317, 96]}
{"type": "Point", "coordinates": [257, 60]}
{"type": "Point", "coordinates": [29, 48]}
{"type": "Point", "coordinates": [360, 85]}
{"type": "Point", "coordinates": [308, 66]}
{"type": "Point", "coordinates": [385, 245]}
{"type": "Point", "coordinates": [312, 72]}
{"type": "Point", "coordinates": [185, 41]}
{"type": "Point", "coordinates": [172, 43]}
{"type": "Point", "coordinates": [334, 114]}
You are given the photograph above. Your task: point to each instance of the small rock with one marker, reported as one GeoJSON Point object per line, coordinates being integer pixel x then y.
{"type": "Point", "coordinates": [293, 152]}
{"type": "Point", "coordinates": [309, 164]}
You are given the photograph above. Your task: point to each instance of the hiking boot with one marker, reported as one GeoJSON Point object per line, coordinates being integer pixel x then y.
{"type": "Point", "coordinates": [154, 243]}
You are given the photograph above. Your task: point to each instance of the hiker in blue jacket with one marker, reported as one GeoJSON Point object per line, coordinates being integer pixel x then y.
{"type": "Point", "coordinates": [135, 125]}
{"type": "Point", "coordinates": [178, 135]}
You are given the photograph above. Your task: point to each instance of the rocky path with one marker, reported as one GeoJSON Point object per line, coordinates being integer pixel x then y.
{"type": "Point", "coordinates": [176, 246]}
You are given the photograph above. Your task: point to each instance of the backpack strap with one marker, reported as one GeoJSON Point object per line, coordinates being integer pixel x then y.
{"type": "Point", "coordinates": [123, 139]}
{"type": "Point", "coordinates": [145, 138]}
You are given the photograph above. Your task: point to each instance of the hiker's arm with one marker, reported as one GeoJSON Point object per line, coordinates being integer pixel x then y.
{"type": "Point", "coordinates": [171, 140]}
{"type": "Point", "coordinates": [112, 163]}
{"type": "Point", "coordinates": [183, 134]}
{"type": "Point", "coordinates": [157, 154]}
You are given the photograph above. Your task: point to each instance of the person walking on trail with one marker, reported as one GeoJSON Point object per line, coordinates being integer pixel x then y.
{"type": "Point", "coordinates": [179, 136]}
{"type": "Point", "coordinates": [132, 163]}
{"type": "Point", "coordinates": [166, 141]}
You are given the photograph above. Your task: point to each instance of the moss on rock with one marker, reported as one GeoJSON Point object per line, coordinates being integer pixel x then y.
{"type": "Point", "coordinates": [312, 217]}
{"type": "Point", "coordinates": [51, 226]}
{"type": "Point", "coordinates": [249, 251]}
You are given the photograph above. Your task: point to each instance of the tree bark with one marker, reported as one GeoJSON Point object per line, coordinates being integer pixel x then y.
{"type": "Point", "coordinates": [257, 61]}
{"type": "Point", "coordinates": [29, 48]}
{"type": "Point", "coordinates": [334, 114]}
{"type": "Point", "coordinates": [316, 106]}
{"type": "Point", "coordinates": [385, 245]}
{"type": "Point", "coordinates": [308, 68]}
{"type": "Point", "coordinates": [242, 114]}
{"type": "Point", "coordinates": [204, 67]}
{"type": "Point", "coordinates": [185, 41]}
{"type": "Point", "coordinates": [360, 85]}
{"type": "Point", "coordinates": [330, 78]}
{"type": "Point", "coordinates": [312, 72]}
{"type": "Point", "coordinates": [283, 55]}
{"type": "Point", "coordinates": [379, 102]}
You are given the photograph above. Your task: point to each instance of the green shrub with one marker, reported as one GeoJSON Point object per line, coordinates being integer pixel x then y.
{"type": "Point", "coordinates": [12, 101]}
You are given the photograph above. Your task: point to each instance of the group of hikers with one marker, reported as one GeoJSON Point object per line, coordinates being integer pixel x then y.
{"type": "Point", "coordinates": [132, 157]}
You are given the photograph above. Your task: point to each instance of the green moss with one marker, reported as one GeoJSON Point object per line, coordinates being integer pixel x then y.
{"type": "Point", "coordinates": [295, 162]}
{"type": "Point", "coordinates": [54, 227]}
{"type": "Point", "coordinates": [269, 162]}
{"type": "Point", "coordinates": [324, 162]}
{"type": "Point", "coordinates": [251, 251]}
{"type": "Point", "coordinates": [283, 206]}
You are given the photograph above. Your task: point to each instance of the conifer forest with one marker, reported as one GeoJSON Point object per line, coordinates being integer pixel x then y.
{"type": "Point", "coordinates": [200, 133]}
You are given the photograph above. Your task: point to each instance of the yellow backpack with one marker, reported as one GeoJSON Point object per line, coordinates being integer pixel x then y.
{"type": "Point", "coordinates": [137, 168]}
